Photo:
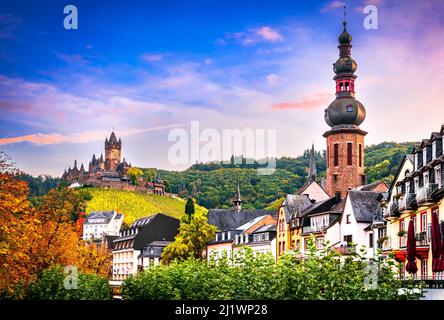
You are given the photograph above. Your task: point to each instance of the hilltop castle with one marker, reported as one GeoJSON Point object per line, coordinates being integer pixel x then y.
{"type": "Point", "coordinates": [111, 171]}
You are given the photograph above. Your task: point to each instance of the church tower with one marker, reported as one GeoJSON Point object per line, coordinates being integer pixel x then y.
{"type": "Point", "coordinates": [312, 172]}
{"type": "Point", "coordinates": [345, 140]}
{"type": "Point", "coordinates": [237, 200]}
{"type": "Point", "coordinates": [113, 149]}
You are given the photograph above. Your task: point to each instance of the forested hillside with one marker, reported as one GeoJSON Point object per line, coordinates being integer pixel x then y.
{"type": "Point", "coordinates": [213, 185]}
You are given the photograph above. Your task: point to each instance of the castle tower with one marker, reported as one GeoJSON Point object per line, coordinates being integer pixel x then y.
{"type": "Point", "coordinates": [237, 201]}
{"type": "Point", "coordinates": [312, 172]}
{"type": "Point", "coordinates": [345, 140]}
{"type": "Point", "coordinates": [113, 149]}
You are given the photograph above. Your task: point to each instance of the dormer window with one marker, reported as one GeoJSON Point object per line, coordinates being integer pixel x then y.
{"type": "Point", "coordinates": [434, 155]}
{"type": "Point", "coordinates": [349, 108]}
{"type": "Point", "coordinates": [424, 155]}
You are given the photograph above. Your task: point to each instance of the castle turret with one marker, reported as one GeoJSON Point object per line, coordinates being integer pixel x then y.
{"type": "Point", "coordinates": [113, 150]}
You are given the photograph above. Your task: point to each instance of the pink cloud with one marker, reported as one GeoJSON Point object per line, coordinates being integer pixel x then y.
{"type": "Point", "coordinates": [84, 137]}
{"type": "Point", "coordinates": [308, 103]}
{"type": "Point", "coordinates": [150, 57]}
{"type": "Point", "coordinates": [333, 5]}
{"type": "Point", "coordinates": [269, 34]}
{"type": "Point", "coordinates": [252, 36]}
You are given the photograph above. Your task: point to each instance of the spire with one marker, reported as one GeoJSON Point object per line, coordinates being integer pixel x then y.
{"type": "Point", "coordinates": [237, 200]}
{"type": "Point", "coordinates": [345, 110]}
{"type": "Point", "coordinates": [75, 164]}
{"type": "Point", "coordinates": [312, 171]}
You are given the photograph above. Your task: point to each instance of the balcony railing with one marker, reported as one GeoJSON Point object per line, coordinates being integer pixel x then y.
{"type": "Point", "coordinates": [407, 202]}
{"type": "Point", "coordinates": [311, 229]}
{"type": "Point", "coordinates": [421, 238]}
{"type": "Point", "coordinates": [425, 193]}
{"type": "Point", "coordinates": [386, 244]}
{"type": "Point", "coordinates": [393, 210]}
{"type": "Point", "coordinates": [346, 250]}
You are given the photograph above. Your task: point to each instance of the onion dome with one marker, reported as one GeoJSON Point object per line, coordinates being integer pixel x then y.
{"type": "Point", "coordinates": [345, 112]}
{"type": "Point", "coordinates": [345, 65]}
{"type": "Point", "coordinates": [345, 37]}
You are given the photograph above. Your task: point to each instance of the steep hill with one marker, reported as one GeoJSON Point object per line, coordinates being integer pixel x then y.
{"type": "Point", "coordinates": [135, 205]}
{"type": "Point", "coordinates": [213, 185]}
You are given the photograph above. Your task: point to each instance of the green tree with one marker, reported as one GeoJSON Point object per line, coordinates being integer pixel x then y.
{"type": "Point", "coordinates": [194, 234]}
{"type": "Point", "coordinates": [322, 275]}
{"type": "Point", "coordinates": [189, 208]}
{"type": "Point", "coordinates": [50, 286]}
{"type": "Point", "coordinates": [135, 174]}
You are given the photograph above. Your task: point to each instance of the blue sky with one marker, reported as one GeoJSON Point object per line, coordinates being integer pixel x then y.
{"type": "Point", "coordinates": [145, 67]}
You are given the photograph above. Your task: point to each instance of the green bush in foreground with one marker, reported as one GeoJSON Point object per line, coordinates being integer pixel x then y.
{"type": "Point", "coordinates": [323, 275]}
{"type": "Point", "coordinates": [50, 286]}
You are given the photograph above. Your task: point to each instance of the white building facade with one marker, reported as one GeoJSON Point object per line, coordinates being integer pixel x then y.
{"type": "Point", "coordinates": [102, 223]}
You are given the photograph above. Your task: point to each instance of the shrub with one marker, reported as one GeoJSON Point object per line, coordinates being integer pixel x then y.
{"type": "Point", "coordinates": [50, 286]}
{"type": "Point", "coordinates": [321, 275]}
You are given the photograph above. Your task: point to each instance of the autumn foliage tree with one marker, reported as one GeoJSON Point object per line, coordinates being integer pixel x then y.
{"type": "Point", "coordinates": [34, 238]}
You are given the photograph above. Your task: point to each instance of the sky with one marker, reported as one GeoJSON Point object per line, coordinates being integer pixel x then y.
{"type": "Point", "coordinates": [144, 68]}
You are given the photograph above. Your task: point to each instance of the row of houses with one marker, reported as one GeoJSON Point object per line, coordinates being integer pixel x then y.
{"type": "Point", "coordinates": [372, 217]}
{"type": "Point", "coordinates": [134, 248]}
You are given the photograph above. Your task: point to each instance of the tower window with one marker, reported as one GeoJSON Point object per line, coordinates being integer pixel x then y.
{"type": "Point", "coordinates": [349, 108]}
{"type": "Point", "coordinates": [346, 86]}
{"type": "Point", "coordinates": [336, 155]}
{"type": "Point", "coordinates": [328, 154]}
{"type": "Point", "coordinates": [349, 153]}
{"type": "Point", "coordinates": [360, 155]}
{"type": "Point", "coordinates": [341, 88]}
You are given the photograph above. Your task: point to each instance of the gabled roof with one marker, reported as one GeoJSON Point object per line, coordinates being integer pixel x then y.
{"type": "Point", "coordinates": [250, 223]}
{"type": "Point", "coordinates": [107, 215]}
{"type": "Point", "coordinates": [425, 142]}
{"type": "Point", "coordinates": [407, 157]}
{"type": "Point", "coordinates": [370, 186]}
{"type": "Point", "coordinates": [230, 219]}
{"type": "Point", "coordinates": [265, 228]}
{"type": "Point", "coordinates": [365, 205]}
{"type": "Point", "coordinates": [295, 203]}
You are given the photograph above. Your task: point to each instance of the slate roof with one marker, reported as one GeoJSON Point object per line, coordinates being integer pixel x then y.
{"type": "Point", "coordinates": [330, 206]}
{"type": "Point", "coordinates": [154, 249]}
{"type": "Point", "coordinates": [250, 223]}
{"type": "Point", "coordinates": [230, 219]}
{"type": "Point", "coordinates": [294, 203]}
{"type": "Point", "coordinates": [107, 215]}
{"type": "Point", "coordinates": [369, 187]}
{"type": "Point", "coordinates": [364, 205]}
{"type": "Point", "coordinates": [265, 228]}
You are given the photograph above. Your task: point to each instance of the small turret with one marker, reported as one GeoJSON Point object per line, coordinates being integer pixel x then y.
{"type": "Point", "coordinates": [237, 200]}
{"type": "Point", "coordinates": [312, 171]}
